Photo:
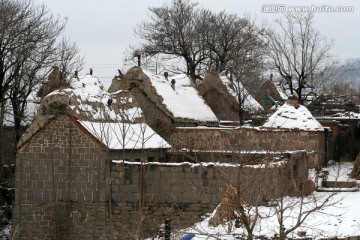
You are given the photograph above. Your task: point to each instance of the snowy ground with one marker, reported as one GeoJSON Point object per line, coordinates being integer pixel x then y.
{"type": "Point", "coordinates": [341, 219]}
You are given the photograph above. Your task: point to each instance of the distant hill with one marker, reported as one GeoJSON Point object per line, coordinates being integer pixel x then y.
{"type": "Point", "coordinates": [351, 71]}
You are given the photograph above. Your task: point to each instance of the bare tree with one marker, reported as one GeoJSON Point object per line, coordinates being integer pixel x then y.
{"type": "Point", "coordinates": [235, 43]}
{"type": "Point", "coordinates": [300, 54]}
{"type": "Point", "coordinates": [28, 35]}
{"type": "Point", "coordinates": [69, 58]}
{"type": "Point", "coordinates": [173, 30]}
{"type": "Point", "coordinates": [292, 213]}
{"type": "Point", "coordinates": [277, 216]}
{"type": "Point", "coordinates": [203, 39]}
{"type": "Point", "coordinates": [28, 50]}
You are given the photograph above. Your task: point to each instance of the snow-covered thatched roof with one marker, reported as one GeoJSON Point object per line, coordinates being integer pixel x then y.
{"type": "Point", "coordinates": [119, 136]}
{"type": "Point", "coordinates": [112, 118]}
{"type": "Point", "coordinates": [184, 100]}
{"type": "Point", "coordinates": [234, 88]}
{"type": "Point", "coordinates": [87, 99]}
{"type": "Point", "coordinates": [176, 96]}
{"type": "Point", "coordinates": [289, 116]}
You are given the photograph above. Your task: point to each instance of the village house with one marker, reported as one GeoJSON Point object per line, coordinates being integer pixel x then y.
{"type": "Point", "coordinates": [91, 166]}
{"type": "Point", "coordinates": [64, 156]}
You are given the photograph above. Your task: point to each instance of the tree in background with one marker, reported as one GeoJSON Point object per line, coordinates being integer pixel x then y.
{"type": "Point", "coordinates": [172, 30]}
{"type": "Point", "coordinates": [203, 39]}
{"type": "Point", "coordinates": [300, 54]}
{"type": "Point", "coordinates": [28, 49]}
{"type": "Point", "coordinates": [68, 58]}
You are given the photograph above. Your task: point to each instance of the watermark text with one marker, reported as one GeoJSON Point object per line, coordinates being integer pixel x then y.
{"type": "Point", "coordinates": [281, 8]}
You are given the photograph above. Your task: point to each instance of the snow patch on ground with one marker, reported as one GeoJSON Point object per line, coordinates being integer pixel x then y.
{"type": "Point", "coordinates": [341, 219]}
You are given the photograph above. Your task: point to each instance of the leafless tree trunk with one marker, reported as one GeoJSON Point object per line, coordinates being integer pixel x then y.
{"type": "Point", "coordinates": [300, 54]}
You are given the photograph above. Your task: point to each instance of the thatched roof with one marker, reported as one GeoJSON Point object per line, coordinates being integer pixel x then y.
{"type": "Point", "coordinates": [91, 106]}
{"type": "Point", "coordinates": [87, 100]}
{"type": "Point", "coordinates": [221, 94]}
{"type": "Point", "coordinates": [177, 96]}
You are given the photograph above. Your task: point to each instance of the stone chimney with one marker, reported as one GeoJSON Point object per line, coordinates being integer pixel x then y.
{"type": "Point", "coordinates": [173, 84]}
{"type": "Point", "coordinates": [293, 101]}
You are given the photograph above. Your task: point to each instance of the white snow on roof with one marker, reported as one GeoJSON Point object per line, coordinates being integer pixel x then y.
{"type": "Point", "coordinates": [115, 128]}
{"type": "Point", "coordinates": [125, 136]}
{"type": "Point", "coordinates": [281, 92]}
{"type": "Point", "coordinates": [289, 117]}
{"type": "Point", "coordinates": [91, 101]}
{"type": "Point", "coordinates": [250, 103]}
{"type": "Point", "coordinates": [185, 102]}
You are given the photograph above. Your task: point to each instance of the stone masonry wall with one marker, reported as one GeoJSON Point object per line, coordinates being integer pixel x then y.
{"type": "Point", "coordinates": [66, 188]}
{"type": "Point", "coordinates": [250, 139]}
{"type": "Point", "coordinates": [184, 192]}
{"type": "Point", "coordinates": [59, 166]}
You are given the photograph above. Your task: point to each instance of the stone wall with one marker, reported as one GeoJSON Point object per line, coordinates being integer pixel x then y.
{"type": "Point", "coordinates": [184, 192]}
{"type": "Point", "coordinates": [249, 139]}
{"type": "Point", "coordinates": [135, 155]}
{"type": "Point", "coordinates": [57, 167]}
{"type": "Point", "coordinates": [66, 188]}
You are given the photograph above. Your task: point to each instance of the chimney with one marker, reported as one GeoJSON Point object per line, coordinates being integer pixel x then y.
{"type": "Point", "coordinates": [138, 54]}
{"type": "Point", "coordinates": [91, 71]}
{"type": "Point", "coordinates": [173, 84]}
{"type": "Point", "coordinates": [293, 101]}
{"type": "Point", "coordinates": [166, 75]}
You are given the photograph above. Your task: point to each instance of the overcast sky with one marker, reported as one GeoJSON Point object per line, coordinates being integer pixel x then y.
{"type": "Point", "coordinates": [104, 29]}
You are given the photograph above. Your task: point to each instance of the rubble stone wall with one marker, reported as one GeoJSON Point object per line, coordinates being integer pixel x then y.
{"type": "Point", "coordinates": [184, 192]}
{"type": "Point", "coordinates": [250, 139]}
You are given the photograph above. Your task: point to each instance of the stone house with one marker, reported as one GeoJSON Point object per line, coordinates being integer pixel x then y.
{"type": "Point", "coordinates": [63, 159]}
{"type": "Point", "coordinates": [166, 102]}
{"type": "Point", "coordinates": [222, 95]}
